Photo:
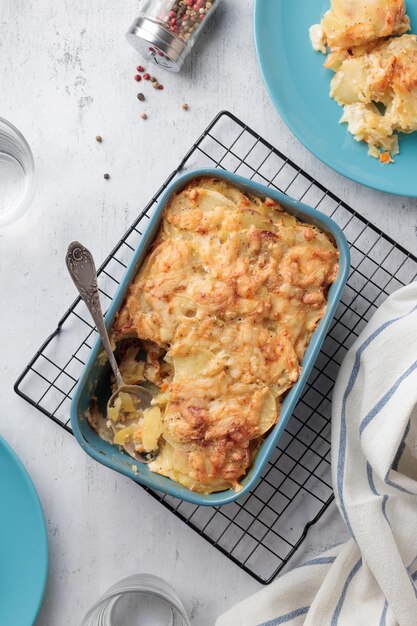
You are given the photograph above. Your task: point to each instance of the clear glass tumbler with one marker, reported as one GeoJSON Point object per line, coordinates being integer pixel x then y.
{"type": "Point", "coordinates": [138, 600]}
{"type": "Point", "coordinates": [17, 180]}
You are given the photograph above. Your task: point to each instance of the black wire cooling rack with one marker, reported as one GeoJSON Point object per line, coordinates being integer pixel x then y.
{"type": "Point", "coordinates": [261, 531]}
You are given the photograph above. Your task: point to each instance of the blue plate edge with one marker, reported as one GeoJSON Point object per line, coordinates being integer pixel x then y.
{"type": "Point", "coordinates": [41, 515]}
{"type": "Point", "coordinates": [275, 101]}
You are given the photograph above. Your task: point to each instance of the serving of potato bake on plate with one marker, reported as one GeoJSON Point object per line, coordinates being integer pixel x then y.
{"type": "Point", "coordinates": [220, 316]}
{"type": "Point", "coordinates": [370, 70]}
{"type": "Point", "coordinates": [376, 70]}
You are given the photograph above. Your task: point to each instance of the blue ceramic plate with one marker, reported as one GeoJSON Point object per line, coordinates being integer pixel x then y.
{"type": "Point", "coordinates": [23, 543]}
{"type": "Point", "coordinates": [299, 87]}
{"type": "Point", "coordinates": [95, 376]}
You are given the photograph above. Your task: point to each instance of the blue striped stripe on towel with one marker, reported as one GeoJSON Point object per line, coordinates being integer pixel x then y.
{"type": "Point", "coordinates": [371, 579]}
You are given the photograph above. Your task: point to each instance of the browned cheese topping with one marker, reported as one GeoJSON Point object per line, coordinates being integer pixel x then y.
{"type": "Point", "coordinates": [225, 304]}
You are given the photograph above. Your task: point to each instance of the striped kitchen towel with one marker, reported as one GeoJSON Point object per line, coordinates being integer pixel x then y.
{"type": "Point", "coordinates": [371, 579]}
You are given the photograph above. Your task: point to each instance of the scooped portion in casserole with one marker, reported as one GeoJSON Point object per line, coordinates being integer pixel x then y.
{"type": "Point", "coordinates": [216, 323]}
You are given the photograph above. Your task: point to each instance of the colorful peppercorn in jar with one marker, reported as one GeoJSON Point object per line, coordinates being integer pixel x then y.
{"type": "Point", "coordinates": [166, 30]}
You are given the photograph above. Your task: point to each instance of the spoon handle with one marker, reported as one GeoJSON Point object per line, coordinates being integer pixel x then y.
{"type": "Point", "coordinates": [80, 264]}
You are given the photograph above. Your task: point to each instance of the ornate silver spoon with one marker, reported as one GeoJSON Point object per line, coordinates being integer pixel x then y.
{"type": "Point", "coordinates": [80, 264]}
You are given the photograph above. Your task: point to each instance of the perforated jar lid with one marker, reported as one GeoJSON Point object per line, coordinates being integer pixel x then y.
{"type": "Point", "coordinates": [158, 44]}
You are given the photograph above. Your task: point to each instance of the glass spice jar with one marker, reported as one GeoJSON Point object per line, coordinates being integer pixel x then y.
{"type": "Point", "coordinates": [166, 30]}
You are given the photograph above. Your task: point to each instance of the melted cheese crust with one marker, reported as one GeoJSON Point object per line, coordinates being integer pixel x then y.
{"type": "Point", "coordinates": [352, 23]}
{"type": "Point", "coordinates": [228, 298]}
{"type": "Point", "coordinates": [385, 74]}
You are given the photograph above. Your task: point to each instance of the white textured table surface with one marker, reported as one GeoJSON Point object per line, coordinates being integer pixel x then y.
{"type": "Point", "coordinates": [66, 76]}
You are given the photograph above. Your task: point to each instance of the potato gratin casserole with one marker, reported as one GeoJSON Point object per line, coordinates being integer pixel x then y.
{"type": "Point", "coordinates": [375, 70]}
{"type": "Point", "coordinates": [217, 322]}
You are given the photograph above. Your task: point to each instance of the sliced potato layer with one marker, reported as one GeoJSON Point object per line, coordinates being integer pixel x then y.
{"type": "Point", "coordinates": [225, 304]}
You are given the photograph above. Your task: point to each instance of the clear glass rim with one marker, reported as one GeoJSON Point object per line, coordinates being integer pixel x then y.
{"type": "Point", "coordinates": [146, 584]}
{"type": "Point", "coordinates": [29, 170]}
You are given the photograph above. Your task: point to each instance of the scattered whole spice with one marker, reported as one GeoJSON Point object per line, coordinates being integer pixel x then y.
{"type": "Point", "coordinates": [185, 106]}
{"type": "Point", "coordinates": [107, 176]}
{"type": "Point", "coordinates": [99, 138]}
{"type": "Point", "coordinates": [144, 116]}
{"type": "Point", "coordinates": [155, 84]}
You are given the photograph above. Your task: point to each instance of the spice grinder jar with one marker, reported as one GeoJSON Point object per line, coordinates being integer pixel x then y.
{"type": "Point", "coordinates": [166, 30]}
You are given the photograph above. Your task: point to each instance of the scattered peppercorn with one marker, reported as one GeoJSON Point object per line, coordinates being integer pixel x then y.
{"type": "Point", "coordinates": [147, 76]}
{"type": "Point", "coordinates": [99, 138]}
{"type": "Point", "coordinates": [137, 77]}
{"type": "Point", "coordinates": [185, 106]}
{"type": "Point", "coordinates": [140, 96]}
{"type": "Point", "coordinates": [144, 116]}
{"type": "Point", "coordinates": [153, 79]}
{"type": "Point", "coordinates": [140, 68]}
{"type": "Point", "coordinates": [155, 85]}
{"type": "Point", "coordinates": [107, 176]}
{"type": "Point", "coordinates": [160, 87]}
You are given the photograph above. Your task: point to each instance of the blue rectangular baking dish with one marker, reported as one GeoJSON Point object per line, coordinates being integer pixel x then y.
{"type": "Point", "coordinates": [95, 372]}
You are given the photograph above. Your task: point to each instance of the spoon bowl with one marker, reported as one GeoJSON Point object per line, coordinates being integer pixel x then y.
{"type": "Point", "coordinates": [140, 393]}
{"type": "Point", "coordinates": [145, 398]}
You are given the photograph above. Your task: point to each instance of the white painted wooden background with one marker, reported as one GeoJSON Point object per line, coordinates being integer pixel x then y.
{"type": "Point", "coordinates": [65, 76]}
